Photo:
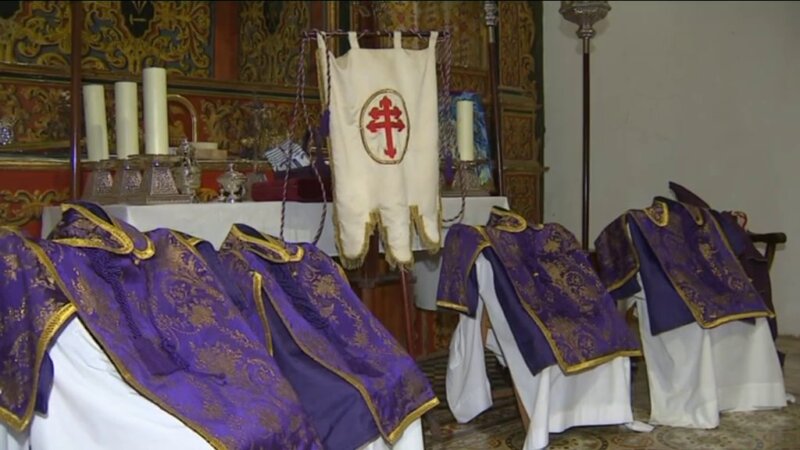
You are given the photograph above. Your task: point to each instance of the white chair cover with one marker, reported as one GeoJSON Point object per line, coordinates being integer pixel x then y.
{"type": "Point", "coordinates": [696, 373]}
{"type": "Point", "coordinates": [553, 401]}
{"type": "Point", "coordinates": [92, 408]}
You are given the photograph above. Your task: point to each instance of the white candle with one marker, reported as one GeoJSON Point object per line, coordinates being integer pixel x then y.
{"type": "Point", "coordinates": [94, 106]}
{"type": "Point", "coordinates": [156, 133]}
{"type": "Point", "coordinates": [127, 120]}
{"type": "Point", "coordinates": [465, 137]}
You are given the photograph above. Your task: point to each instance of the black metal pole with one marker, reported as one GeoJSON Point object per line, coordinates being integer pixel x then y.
{"type": "Point", "coordinates": [586, 134]}
{"type": "Point", "coordinates": [75, 98]}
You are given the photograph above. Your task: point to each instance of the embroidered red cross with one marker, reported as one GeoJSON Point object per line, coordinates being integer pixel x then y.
{"type": "Point", "coordinates": [387, 112]}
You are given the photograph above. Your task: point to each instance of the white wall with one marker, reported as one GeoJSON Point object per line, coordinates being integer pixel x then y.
{"type": "Point", "coordinates": [703, 93]}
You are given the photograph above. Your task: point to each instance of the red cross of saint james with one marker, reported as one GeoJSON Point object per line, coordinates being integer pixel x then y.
{"type": "Point", "coordinates": [382, 120]}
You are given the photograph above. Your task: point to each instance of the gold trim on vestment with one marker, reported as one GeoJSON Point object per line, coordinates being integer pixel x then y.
{"type": "Point", "coordinates": [522, 223]}
{"type": "Point", "coordinates": [651, 213]}
{"type": "Point", "coordinates": [120, 366]}
{"type": "Point", "coordinates": [272, 244]}
{"type": "Point", "coordinates": [696, 313]}
{"type": "Point", "coordinates": [738, 262]}
{"type": "Point", "coordinates": [127, 244]}
{"type": "Point", "coordinates": [258, 287]}
{"type": "Point", "coordinates": [353, 382]}
{"type": "Point", "coordinates": [482, 245]}
{"type": "Point", "coordinates": [447, 304]}
{"type": "Point", "coordinates": [410, 417]}
{"type": "Point", "coordinates": [565, 367]}
{"type": "Point", "coordinates": [51, 328]}
{"type": "Point", "coordinates": [632, 248]}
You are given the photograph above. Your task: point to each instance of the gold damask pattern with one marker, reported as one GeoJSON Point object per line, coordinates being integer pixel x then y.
{"type": "Point", "coordinates": [270, 41]}
{"type": "Point", "coordinates": [32, 312]}
{"type": "Point", "coordinates": [129, 36]}
{"type": "Point", "coordinates": [41, 111]}
{"type": "Point", "coordinates": [519, 140]}
{"type": "Point", "coordinates": [17, 208]}
{"type": "Point", "coordinates": [517, 31]}
{"type": "Point", "coordinates": [191, 305]}
{"type": "Point", "coordinates": [37, 33]}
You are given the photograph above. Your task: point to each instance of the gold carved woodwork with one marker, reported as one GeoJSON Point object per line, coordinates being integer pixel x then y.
{"type": "Point", "coordinates": [522, 189]}
{"type": "Point", "coordinates": [270, 41]}
{"type": "Point", "coordinates": [38, 33]}
{"type": "Point", "coordinates": [17, 208]}
{"type": "Point", "coordinates": [517, 32]}
{"type": "Point", "coordinates": [465, 19]}
{"type": "Point", "coordinates": [41, 111]}
{"type": "Point", "coordinates": [228, 121]}
{"type": "Point", "coordinates": [129, 36]}
{"type": "Point", "coordinates": [519, 140]}
{"type": "Point", "coordinates": [472, 80]}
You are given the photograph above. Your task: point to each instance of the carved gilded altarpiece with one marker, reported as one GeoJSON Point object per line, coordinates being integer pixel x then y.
{"type": "Point", "coordinates": [224, 57]}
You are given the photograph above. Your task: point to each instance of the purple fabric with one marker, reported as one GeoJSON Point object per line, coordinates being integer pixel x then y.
{"type": "Point", "coordinates": [32, 311]}
{"type": "Point", "coordinates": [617, 265]}
{"type": "Point", "coordinates": [458, 289]}
{"type": "Point", "coordinates": [327, 320]}
{"type": "Point", "coordinates": [195, 356]}
{"type": "Point", "coordinates": [665, 307]}
{"type": "Point", "coordinates": [560, 292]}
{"type": "Point", "coordinates": [694, 256]}
{"type": "Point", "coordinates": [686, 255]}
{"type": "Point", "coordinates": [339, 415]}
{"type": "Point", "coordinates": [530, 340]}
{"type": "Point", "coordinates": [754, 263]}
{"type": "Point", "coordinates": [338, 412]}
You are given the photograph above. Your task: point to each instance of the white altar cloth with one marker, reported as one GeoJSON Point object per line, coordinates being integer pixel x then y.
{"type": "Point", "coordinates": [212, 222]}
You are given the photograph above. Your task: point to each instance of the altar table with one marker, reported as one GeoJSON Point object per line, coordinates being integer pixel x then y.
{"type": "Point", "coordinates": [212, 222]}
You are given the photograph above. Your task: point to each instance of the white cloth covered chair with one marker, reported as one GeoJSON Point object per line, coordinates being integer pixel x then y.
{"type": "Point", "coordinates": [552, 401]}
{"type": "Point", "coordinates": [696, 373]}
{"type": "Point", "coordinates": [92, 408]}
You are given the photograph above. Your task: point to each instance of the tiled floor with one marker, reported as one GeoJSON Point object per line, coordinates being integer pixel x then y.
{"type": "Point", "coordinates": [501, 428]}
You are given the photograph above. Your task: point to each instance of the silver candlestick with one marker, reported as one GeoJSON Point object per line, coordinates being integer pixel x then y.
{"type": "Point", "coordinates": [158, 184]}
{"type": "Point", "coordinates": [128, 179]}
{"type": "Point", "coordinates": [100, 185]}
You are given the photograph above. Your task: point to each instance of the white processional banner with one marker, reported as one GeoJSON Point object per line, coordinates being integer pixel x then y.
{"type": "Point", "coordinates": [384, 146]}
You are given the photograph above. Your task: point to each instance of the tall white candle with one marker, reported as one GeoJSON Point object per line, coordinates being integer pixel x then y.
{"type": "Point", "coordinates": [465, 136]}
{"type": "Point", "coordinates": [94, 106]}
{"type": "Point", "coordinates": [126, 108]}
{"type": "Point", "coordinates": [156, 133]}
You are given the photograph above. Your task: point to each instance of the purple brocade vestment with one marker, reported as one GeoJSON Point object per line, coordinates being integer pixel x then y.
{"type": "Point", "coordinates": [558, 309]}
{"type": "Point", "coordinates": [689, 272]}
{"type": "Point", "coordinates": [170, 329]}
{"type": "Point", "coordinates": [32, 311]}
{"type": "Point", "coordinates": [306, 306]}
